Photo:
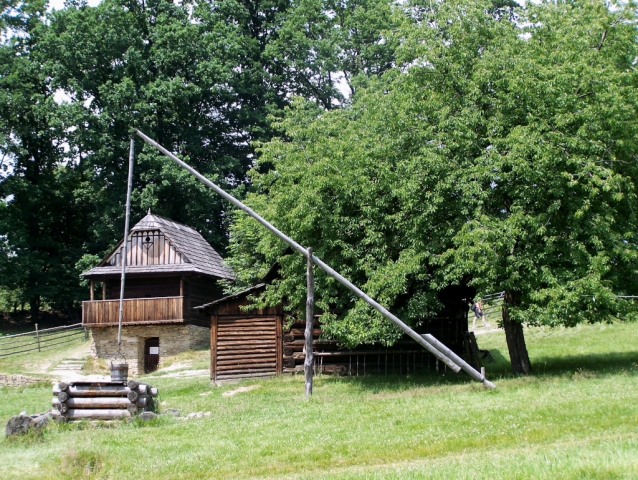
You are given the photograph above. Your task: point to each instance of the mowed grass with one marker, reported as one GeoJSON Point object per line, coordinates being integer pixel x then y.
{"type": "Point", "coordinates": [577, 417]}
{"type": "Point", "coordinates": [39, 364]}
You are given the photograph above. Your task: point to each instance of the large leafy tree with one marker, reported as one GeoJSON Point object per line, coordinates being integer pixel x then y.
{"type": "Point", "coordinates": [500, 153]}
{"type": "Point", "coordinates": [200, 77]}
{"type": "Point", "coordinates": [40, 222]}
{"type": "Point", "coordinates": [322, 47]}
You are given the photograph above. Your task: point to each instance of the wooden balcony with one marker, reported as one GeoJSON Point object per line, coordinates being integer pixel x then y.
{"type": "Point", "coordinates": [137, 311]}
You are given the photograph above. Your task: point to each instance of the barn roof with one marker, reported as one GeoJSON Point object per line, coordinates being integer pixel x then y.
{"type": "Point", "coordinates": [198, 256]}
{"type": "Point", "coordinates": [230, 297]}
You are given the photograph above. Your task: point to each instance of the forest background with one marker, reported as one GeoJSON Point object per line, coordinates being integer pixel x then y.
{"type": "Point", "coordinates": [413, 144]}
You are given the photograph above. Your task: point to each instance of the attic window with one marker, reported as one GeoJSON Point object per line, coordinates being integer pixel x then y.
{"type": "Point", "coordinates": [148, 243]}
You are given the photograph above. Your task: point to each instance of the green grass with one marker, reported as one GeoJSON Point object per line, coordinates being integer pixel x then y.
{"type": "Point", "coordinates": [190, 360]}
{"type": "Point", "coordinates": [577, 417]}
{"type": "Point", "coordinates": [39, 364]}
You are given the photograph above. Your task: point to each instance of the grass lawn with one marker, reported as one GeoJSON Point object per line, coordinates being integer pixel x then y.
{"type": "Point", "coordinates": [577, 417]}
{"type": "Point", "coordinates": [39, 364]}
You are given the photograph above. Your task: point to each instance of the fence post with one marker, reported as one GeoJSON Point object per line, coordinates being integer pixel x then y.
{"type": "Point", "coordinates": [37, 336]}
{"type": "Point", "coordinates": [86, 333]}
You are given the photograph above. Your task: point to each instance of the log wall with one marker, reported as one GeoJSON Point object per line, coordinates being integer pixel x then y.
{"type": "Point", "coordinates": [245, 346]}
{"type": "Point", "coordinates": [243, 342]}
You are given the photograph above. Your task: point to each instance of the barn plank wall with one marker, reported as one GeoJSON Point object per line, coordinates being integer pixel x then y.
{"type": "Point", "coordinates": [257, 343]}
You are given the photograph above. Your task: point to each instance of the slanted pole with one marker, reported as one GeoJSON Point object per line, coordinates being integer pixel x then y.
{"type": "Point", "coordinates": [308, 363]}
{"type": "Point", "coordinates": [330, 271]}
{"type": "Point", "coordinates": [125, 244]}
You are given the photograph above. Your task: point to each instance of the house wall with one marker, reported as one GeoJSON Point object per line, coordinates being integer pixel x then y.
{"type": "Point", "coordinates": [143, 287]}
{"type": "Point", "coordinates": [174, 339]}
{"type": "Point", "coordinates": [199, 291]}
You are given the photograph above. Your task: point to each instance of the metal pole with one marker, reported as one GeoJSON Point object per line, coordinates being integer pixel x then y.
{"type": "Point", "coordinates": [310, 316]}
{"type": "Point", "coordinates": [125, 245]}
{"type": "Point", "coordinates": [330, 271]}
{"type": "Point", "coordinates": [37, 336]}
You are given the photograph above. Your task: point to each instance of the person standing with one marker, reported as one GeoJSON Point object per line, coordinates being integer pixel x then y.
{"type": "Point", "coordinates": [477, 308]}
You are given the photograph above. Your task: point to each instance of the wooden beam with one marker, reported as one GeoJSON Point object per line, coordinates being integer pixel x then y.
{"type": "Point", "coordinates": [310, 316]}
{"type": "Point", "coordinates": [280, 344]}
{"type": "Point", "coordinates": [104, 290]}
{"type": "Point", "coordinates": [91, 290]}
{"type": "Point", "coordinates": [213, 348]}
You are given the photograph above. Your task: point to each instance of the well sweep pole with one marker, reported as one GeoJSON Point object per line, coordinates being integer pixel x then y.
{"type": "Point", "coordinates": [329, 270]}
{"type": "Point", "coordinates": [308, 364]}
{"type": "Point", "coordinates": [125, 244]}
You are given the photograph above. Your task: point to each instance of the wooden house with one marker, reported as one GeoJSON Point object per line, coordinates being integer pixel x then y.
{"type": "Point", "coordinates": [170, 269]}
{"type": "Point", "coordinates": [259, 342]}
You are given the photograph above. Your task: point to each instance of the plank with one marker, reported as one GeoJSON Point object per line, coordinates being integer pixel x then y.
{"type": "Point", "coordinates": [256, 366]}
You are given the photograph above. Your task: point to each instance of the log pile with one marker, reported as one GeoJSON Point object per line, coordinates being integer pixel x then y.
{"type": "Point", "coordinates": [103, 400]}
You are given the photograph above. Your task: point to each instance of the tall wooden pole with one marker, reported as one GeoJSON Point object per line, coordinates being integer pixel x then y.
{"type": "Point", "coordinates": [125, 243]}
{"type": "Point", "coordinates": [425, 343]}
{"type": "Point", "coordinates": [310, 317]}
{"type": "Point", "coordinates": [37, 336]}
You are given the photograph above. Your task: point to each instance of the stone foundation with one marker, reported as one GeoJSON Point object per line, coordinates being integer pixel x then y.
{"type": "Point", "coordinates": [173, 339]}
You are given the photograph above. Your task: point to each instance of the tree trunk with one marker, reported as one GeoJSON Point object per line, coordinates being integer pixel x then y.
{"type": "Point", "coordinates": [515, 339]}
{"type": "Point", "coordinates": [35, 308]}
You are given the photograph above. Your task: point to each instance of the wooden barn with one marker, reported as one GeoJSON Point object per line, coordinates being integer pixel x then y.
{"type": "Point", "coordinates": [257, 342]}
{"type": "Point", "coordinates": [169, 270]}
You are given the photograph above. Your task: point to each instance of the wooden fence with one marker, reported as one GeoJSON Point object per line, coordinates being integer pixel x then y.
{"type": "Point", "coordinates": [38, 340]}
{"type": "Point", "coordinates": [101, 313]}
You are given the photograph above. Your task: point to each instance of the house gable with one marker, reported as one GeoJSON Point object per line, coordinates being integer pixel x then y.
{"type": "Point", "coordinates": [147, 247]}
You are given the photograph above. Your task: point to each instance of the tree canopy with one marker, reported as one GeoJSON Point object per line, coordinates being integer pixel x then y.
{"type": "Point", "coordinates": [413, 145]}
{"type": "Point", "coordinates": [200, 77]}
{"type": "Point", "coordinates": [499, 152]}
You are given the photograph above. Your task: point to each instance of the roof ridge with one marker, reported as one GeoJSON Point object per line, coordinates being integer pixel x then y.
{"type": "Point", "coordinates": [167, 220]}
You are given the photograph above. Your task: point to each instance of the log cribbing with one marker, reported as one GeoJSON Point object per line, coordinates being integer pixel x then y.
{"type": "Point", "coordinates": [96, 414]}
{"type": "Point", "coordinates": [94, 391]}
{"type": "Point", "coordinates": [104, 402]}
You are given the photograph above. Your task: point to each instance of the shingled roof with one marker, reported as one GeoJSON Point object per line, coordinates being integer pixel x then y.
{"type": "Point", "coordinates": [199, 256]}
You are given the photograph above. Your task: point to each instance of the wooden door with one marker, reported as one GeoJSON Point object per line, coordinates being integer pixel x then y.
{"type": "Point", "coordinates": [151, 354]}
{"type": "Point", "coordinates": [245, 347]}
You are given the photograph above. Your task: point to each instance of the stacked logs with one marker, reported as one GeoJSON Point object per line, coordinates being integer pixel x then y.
{"type": "Point", "coordinates": [103, 400]}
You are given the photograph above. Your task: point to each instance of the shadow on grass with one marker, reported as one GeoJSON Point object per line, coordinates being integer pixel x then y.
{"type": "Point", "coordinates": [594, 364]}
{"type": "Point", "coordinates": [598, 363]}
{"type": "Point", "coordinates": [375, 383]}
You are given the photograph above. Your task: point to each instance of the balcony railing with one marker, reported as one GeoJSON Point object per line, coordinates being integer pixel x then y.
{"type": "Point", "coordinates": [139, 311]}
